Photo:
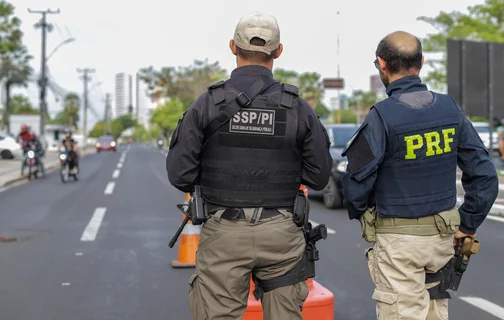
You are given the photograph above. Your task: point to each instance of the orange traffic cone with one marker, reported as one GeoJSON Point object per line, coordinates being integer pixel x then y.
{"type": "Point", "coordinates": [189, 239]}
{"type": "Point", "coordinates": [319, 304]}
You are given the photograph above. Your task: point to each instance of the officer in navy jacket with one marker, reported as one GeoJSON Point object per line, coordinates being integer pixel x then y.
{"type": "Point", "coordinates": [401, 183]}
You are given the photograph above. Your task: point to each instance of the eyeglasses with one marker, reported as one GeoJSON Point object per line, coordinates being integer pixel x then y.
{"type": "Point", "coordinates": [376, 64]}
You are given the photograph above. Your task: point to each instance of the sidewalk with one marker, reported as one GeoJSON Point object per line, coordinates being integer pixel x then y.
{"type": "Point", "coordinates": [10, 170]}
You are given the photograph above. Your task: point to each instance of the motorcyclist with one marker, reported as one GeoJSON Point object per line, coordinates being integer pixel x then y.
{"type": "Point", "coordinates": [23, 134]}
{"type": "Point", "coordinates": [32, 143]}
{"type": "Point", "coordinates": [71, 148]}
{"type": "Point", "coordinates": [160, 142]}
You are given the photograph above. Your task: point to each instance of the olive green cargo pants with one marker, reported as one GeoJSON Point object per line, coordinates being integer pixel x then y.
{"type": "Point", "coordinates": [229, 250]}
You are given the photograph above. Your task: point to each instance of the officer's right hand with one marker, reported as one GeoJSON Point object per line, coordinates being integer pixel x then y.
{"type": "Point", "coordinates": [461, 235]}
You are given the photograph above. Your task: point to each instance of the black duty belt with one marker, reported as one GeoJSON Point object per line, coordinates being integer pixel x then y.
{"type": "Point", "coordinates": [239, 214]}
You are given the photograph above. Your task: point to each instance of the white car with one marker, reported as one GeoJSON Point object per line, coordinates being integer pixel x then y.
{"type": "Point", "coordinates": [9, 148]}
{"type": "Point", "coordinates": [482, 130]}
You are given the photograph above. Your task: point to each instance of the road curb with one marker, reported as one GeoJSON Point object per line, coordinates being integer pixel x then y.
{"type": "Point", "coordinates": [48, 169]}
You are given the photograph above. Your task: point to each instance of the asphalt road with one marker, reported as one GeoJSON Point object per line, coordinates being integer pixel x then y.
{"type": "Point", "coordinates": [97, 249]}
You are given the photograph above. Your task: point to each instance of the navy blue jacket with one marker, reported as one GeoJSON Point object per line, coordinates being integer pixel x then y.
{"type": "Point", "coordinates": [373, 155]}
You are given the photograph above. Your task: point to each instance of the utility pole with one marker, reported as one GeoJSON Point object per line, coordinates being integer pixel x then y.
{"type": "Point", "coordinates": [106, 123]}
{"type": "Point", "coordinates": [338, 120]}
{"type": "Point", "coordinates": [86, 78]}
{"type": "Point", "coordinates": [43, 78]}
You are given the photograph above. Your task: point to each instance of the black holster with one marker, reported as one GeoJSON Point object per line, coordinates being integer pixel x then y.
{"type": "Point", "coordinates": [444, 276]}
{"type": "Point", "coordinates": [301, 210]}
{"type": "Point", "coordinates": [304, 270]}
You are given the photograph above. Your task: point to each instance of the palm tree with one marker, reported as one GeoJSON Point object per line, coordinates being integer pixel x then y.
{"type": "Point", "coordinates": [15, 70]}
{"type": "Point", "coordinates": [71, 104]}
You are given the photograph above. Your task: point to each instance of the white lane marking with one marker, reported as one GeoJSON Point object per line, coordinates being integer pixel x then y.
{"type": "Point", "coordinates": [109, 189]}
{"type": "Point", "coordinates": [119, 165]}
{"type": "Point", "coordinates": [93, 226]}
{"type": "Point", "coordinates": [495, 207]}
{"type": "Point", "coordinates": [485, 305]}
{"type": "Point", "coordinates": [65, 284]}
{"type": "Point", "coordinates": [329, 230]}
{"type": "Point", "coordinates": [78, 254]}
{"type": "Point", "coordinates": [494, 218]}
{"type": "Point", "coordinates": [116, 173]}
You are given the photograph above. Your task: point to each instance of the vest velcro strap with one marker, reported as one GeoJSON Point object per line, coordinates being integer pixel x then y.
{"type": "Point", "coordinates": [218, 95]}
{"type": "Point", "coordinates": [289, 92]}
{"type": "Point", "coordinates": [217, 91]}
{"type": "Point", "coordinates": [425, 226]}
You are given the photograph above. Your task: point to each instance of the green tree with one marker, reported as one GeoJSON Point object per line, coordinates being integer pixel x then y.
{"type": "Point", "coordinates": [347, 116]}
{"type": "Point", "coordinates": [127, 121]}
{"type": "Point", "coordinates": [98, 130]}
{"type": "Point", "coordinates": [322, 111]}
{"type": "Point", "coordinates": [184, 83]}
{"type": "Point", "coordinates": [363, 99]}
{"type": "Point", "coordinates": [140, 133]}
{"type": "Point", "coordinates": [71, 104]}
{"type": "Point", "coordinates": [310, 85]}
{"type": "Point", "coordinates": [166, 117]}
{"type": "Point", "coordinates": [483, 22]}
{"type": "Point", "coordinates": [15, 60]}
{"type": "Point", "coordinates": [286, 76]}
{"type": "Point", "coordinates": [21, 105]}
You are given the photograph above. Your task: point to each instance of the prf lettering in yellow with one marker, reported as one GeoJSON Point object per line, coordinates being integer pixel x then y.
{"type": "Point", "coordinates": [432, 142]}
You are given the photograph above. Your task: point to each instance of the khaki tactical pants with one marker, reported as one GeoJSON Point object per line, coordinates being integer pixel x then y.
{"type": "Point", "coordinates": [229, 250]}
{"type": "Point", "coordinates": [398, 264]}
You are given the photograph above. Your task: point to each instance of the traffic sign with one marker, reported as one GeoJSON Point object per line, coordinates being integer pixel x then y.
{"type": "Point", "coordinates": [334, 83]}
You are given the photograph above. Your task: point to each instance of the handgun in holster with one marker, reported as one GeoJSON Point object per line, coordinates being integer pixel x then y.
{"type": "Point", "coordinates": [194, 211]}
{"type": "Point", "coordinates": [450, 275]}
{"type": "Point", "coordinates": [312, 254]}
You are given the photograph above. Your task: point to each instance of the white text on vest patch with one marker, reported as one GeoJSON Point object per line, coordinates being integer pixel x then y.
{"type": "Point", "coordinates": [253, 121]}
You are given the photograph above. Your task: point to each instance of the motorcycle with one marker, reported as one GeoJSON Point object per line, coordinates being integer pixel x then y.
{"type": "Point", "coordinates": [160, 143]}
{"type": "Point", "coordinates": [33, 164]}
{"type": "Point", "coordinates": [66, 167]}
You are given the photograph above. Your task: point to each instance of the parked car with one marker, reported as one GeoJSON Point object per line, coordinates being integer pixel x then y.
{"type": "Point", "coordinates": [482, 130]}
{"type": "Point", "coordinates": [9, 148]}
{"type": "Point", "coordinates": [106, 143]}
{"type": "Point", "coordinates": [339, 135]}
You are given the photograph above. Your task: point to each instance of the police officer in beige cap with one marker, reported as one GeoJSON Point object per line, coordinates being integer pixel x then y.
{"type": "Point", "coordinates": [248, 143]}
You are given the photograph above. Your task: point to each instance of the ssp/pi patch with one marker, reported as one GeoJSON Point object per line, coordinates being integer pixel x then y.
{"type": "Point", "coordinates": [253, 121]}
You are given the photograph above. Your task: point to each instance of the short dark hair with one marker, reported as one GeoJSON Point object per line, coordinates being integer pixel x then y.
{"type": "Point", "coordinates": [398, 60]}
{"type": "Point", "coordinates": [255, 56]}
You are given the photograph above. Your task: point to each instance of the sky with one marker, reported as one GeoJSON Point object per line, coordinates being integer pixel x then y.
{"type": "Point", "coordinates": [123, 36]}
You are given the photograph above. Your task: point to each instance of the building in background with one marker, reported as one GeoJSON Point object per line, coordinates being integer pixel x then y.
{"type": "Point", "coordinates": [123, 96]}
{"type": "Point", "coordinates": [142, 102]}
{"type": "Point", "coordinates": [376, 85]}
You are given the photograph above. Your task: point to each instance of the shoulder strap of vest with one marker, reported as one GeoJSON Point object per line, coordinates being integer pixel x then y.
{"type": "Point", "coordinates": [289, 92]}
{"type": "Point", "coordinates": [217, 92]}
{"type": "Point", "coordinates": [243, 99]}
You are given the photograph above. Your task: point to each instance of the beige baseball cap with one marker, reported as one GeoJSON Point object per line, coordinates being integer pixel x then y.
{"type": "Point", "coordinates": [258, 25]}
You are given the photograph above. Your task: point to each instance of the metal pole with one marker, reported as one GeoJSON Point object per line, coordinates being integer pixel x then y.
{"type": "Point", "coordinates": [490, 48]}
{"type": "Point", "coordinates": [86, 78]}
{"type": "Point", "coordinates": [43, 77]}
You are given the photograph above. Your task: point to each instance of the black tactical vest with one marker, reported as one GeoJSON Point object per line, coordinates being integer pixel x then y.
{"type": "Point", "coordinates": [418, 174]}
{"type": "Point", "coordinates": [254, 159]}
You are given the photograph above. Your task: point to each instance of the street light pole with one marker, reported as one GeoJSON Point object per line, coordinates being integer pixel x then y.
{"type": "Point", "coordinates": [43, 78]}
{"type": "Point", "coordinates": [67, 41]}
